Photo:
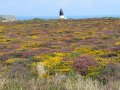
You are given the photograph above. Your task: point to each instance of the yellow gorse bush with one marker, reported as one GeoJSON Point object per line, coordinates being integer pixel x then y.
{"type": "Point", "coordinates": [54, 64]}
{"type": "Point", "coordinates": [104, 61]}
{"type": "Point", "coordinates": [98, 52]}
{"type": "Point", "coordinates": [9, 61]}
{"type": "Point", "coordinates": [60, 54]}
{"type": "Point", "coordinates": [117, 43]}
{"type": "Point", "coordinates": [52, 61]}
{"type": "Point", "coordinates": [33, 37]}
{"type": "Point", "coordinates": [90, 51]}
{"type": "Point", "coordinates": [1, 28]}
{"type": "Point", "coordinates": [32, 45]}
{"type": "Point", "coordinates": [83, 49]}
{"type": "Point", "coordinates": [3, 41]}
{"type": "Point", "coordinates": [12, 60]}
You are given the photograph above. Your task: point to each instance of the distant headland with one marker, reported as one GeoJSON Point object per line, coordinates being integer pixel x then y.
{"type": "Point", "coordinates": [7, 18]}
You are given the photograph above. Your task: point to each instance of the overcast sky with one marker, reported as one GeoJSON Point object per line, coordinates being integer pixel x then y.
{"type": "Point", "coordinates": [51, 7]}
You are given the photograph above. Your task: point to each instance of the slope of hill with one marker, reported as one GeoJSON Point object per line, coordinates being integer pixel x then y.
{"type": "Point", "coordinates": [64, 54]}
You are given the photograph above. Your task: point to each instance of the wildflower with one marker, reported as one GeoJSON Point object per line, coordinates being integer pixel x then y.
{"type": "Point", "coordinates": [117, 43]}
{"type": "Point", "coordinates": [9, 61]}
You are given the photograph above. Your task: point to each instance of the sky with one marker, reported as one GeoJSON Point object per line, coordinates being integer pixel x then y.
{"type": "Point", "coordinates": [51, 7]}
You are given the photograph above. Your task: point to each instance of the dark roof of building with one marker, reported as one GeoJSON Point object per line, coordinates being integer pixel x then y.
{"type": "Point", "coordinates": [61, 12]}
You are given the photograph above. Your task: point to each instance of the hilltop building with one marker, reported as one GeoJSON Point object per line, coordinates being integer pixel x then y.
{"type": "Point", "coordinates": [61, 14]}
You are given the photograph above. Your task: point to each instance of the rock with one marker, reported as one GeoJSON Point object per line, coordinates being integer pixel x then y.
{"type": "Point", "coordinates": [40, 69]}
{"type": "Point", "coordinates": [7, 18]}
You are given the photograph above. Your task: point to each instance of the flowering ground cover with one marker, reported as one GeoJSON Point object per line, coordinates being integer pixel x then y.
{"type": "Point", "coordinates": [60, 55]}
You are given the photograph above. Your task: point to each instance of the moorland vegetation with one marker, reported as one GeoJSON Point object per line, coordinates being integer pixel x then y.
{"type": "Point", "coordinates": [60, 54]}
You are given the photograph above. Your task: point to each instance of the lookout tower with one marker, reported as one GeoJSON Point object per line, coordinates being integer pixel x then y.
{"type": "Point", "coordinates": [61, 14]}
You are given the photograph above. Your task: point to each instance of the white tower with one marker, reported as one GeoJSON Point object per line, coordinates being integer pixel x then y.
{"type": "Point", "coordinates": [61, 14]}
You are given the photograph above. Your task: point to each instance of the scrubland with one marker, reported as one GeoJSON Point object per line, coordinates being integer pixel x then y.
{"type": "Point", "coordinates": [60, 54]}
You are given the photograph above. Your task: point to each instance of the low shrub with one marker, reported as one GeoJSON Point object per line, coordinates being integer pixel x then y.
{"type": "Point", "coordinates": [72, 40]}
{"type": "Point", "coordinates": [110, 72]}
{"type": "Point", "coordinates": [83, 63]}
{"type": "Point", "coordinates": [53, 64]}
{"type": "Point", "coordinates": [109, 55]}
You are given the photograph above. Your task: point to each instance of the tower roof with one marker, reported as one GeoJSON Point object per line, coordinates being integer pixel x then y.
{"type": "Point", "coordinates": [61, 12]}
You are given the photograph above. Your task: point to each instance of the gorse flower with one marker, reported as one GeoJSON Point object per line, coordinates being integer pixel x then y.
{"type": "Point", "coordinates": [1, 28]}
{"type": "Point", "coordinates": [117, 43]}
{"type": "Point", "coordinates": [9, 61]}
{"type": "Point", "coordinates": [54, 64]}
{"type": "Point", "coordinates": [52, 61]}
{"type": "Point", "coordinates": [32, 45]}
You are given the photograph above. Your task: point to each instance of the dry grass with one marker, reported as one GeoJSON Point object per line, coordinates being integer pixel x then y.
{"type": "Point", "coordinates": [57, 84]}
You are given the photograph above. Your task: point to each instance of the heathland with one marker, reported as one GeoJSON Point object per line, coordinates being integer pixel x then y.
{"type": "Point", "coordinates": [60, 54]}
